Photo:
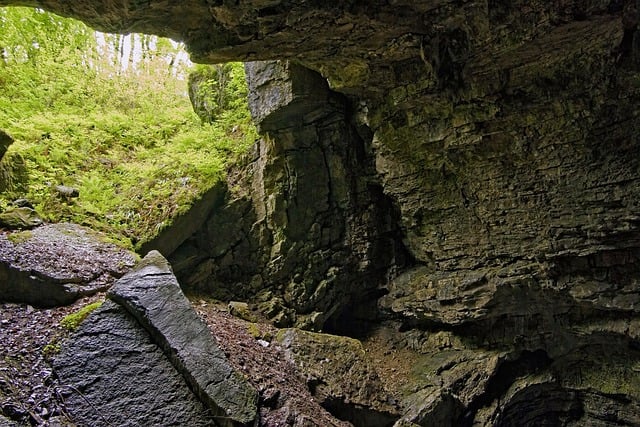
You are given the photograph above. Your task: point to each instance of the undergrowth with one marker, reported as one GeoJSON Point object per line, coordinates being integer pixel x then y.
{"type": "Point", "coordinates": [129, 142]}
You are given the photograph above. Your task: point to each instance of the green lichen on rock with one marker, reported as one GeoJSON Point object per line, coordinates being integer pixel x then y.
{"type": "Point", "coordinates": [71, 321]}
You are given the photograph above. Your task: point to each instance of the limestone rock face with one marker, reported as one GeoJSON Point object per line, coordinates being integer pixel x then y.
{"type": "Point", "coordinates": [309, 233]}
{"type": "Point", "coordinates": [13, 172]}
{"type": "Point", "coordinates": [479, 168]}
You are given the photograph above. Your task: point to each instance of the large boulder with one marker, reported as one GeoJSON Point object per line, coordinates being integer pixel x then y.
{"type": "Point", "coordinates": [57, 263]}
{"type": "Point", "coordinates": [112, 373]}
{"type": "Point", "coordinates": [151, 294]}
{"type": "Point", "coordinates": [146, 358]}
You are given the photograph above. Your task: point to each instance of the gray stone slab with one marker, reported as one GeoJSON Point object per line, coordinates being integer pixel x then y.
{"type": "Point", "coordinates": [56, 264]}
{"type": "Point", "coordinates": [112, 374]}
{"type": "Point", "coordinates": [152, 295]}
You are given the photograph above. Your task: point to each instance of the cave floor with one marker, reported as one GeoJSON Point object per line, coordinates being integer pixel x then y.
{"type": "Point", "coordinates": [30, 336]}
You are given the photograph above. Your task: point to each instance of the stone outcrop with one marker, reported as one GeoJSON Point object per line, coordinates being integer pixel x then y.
{"type": "Point", "coordinates": [151, 294]}
{"type": "Point", "coordinates": [146, 358]}
{"type": "Point", "coordinates": [56, 264]}
{"type": "Point", "coordinates": [479, 167]}
{"type": "Point", "coordinates": [340, 376]}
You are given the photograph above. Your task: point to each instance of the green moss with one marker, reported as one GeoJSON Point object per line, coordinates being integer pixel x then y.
{"type": "Point", "coordinates": [73, 320]}
{"type": "Point", "coordinates": [20, 237]}
{"type": "Point", "coordinates": [51, 349]}
{"type": "Point", "coordinates": [254, 331]}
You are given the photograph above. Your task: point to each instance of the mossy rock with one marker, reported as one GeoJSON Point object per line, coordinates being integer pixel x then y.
{"type": "Point", "coordinates": [13, 173]}
{"type": "Point", "coordinates": [20, 219]}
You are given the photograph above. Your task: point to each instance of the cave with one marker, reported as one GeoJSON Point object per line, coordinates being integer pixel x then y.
{"type": "Point", "coordinates": [465, 173]}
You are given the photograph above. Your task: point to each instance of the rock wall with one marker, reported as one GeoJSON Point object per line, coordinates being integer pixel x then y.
{"type": "Point", "coordinates": [306, 231]}
{"type": "Point", "coordinates": [480, 168]}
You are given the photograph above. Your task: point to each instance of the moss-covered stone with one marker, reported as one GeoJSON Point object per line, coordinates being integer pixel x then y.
{"type": "Point", "coordinates": [339, 374]}
{"type": "Point", "coordinates": [20, 218]}
{"type": "Point", "coordinates": [14, 178]}
{"type": "Point", "coordinates": [5, 142]}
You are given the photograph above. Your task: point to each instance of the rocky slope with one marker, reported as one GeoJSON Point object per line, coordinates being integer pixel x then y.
{"type": "Point", "coordinates": [464, 172]}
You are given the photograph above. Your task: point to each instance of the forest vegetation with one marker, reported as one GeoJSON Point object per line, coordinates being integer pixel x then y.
{"type": "Point", "coordinates": [110, 115]}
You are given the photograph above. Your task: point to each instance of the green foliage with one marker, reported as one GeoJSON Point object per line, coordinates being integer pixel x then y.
{"type": "Point", "coordinates": [71, 321]}
{"type": "Point", "coordinates": [128, 140]}
{"type": "Point", "coordinates": [216, 89]}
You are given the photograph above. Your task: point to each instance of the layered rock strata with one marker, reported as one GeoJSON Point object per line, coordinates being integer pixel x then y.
{"type": "Point", "coordinates": [307, 230]}
{"type": "Point", "coordinates": [500, 140]}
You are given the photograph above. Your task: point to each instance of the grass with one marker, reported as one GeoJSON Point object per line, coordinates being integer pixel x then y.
{"type": "Point", "coordinates": [130, 141]}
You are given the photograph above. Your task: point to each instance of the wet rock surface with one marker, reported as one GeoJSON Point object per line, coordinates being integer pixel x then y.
{"type": "Point", "coordinates": [306, 231]}
{"type": "Point", "coordinates": [28, 337]}
{"type": "Point", "coordinates": [57, 263]}
{"type": "Point", "coordinates": [284, 395]}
